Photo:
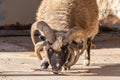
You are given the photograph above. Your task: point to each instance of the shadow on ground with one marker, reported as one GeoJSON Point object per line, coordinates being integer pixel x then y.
{"type": "Point", "coordinates": [108, 70]}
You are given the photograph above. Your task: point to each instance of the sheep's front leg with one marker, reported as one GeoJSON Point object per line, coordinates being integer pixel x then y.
{"type": "Point", "coordinates": [87, 54]}
{"type": "Point", "coordinates": [44, 64]}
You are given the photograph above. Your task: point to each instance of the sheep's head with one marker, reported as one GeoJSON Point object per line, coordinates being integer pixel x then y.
{"type": "Point", "coordinates": [57, 58]}
{"type": "Point", "coordinates": [57, 47]}
{"type": "Point", "coordinates": [57, 53]}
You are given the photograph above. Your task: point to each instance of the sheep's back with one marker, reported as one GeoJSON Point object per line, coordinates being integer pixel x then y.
{"type": "Point", "coordinates": [63, 15]}
{"type": "Point", "coordinates": [86, 16]}
{"type": "Point", "coordinates": [56, 13]}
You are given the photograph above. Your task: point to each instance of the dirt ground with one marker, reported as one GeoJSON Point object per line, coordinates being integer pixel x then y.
{"type": "Point", "coordinates": [17, 60]}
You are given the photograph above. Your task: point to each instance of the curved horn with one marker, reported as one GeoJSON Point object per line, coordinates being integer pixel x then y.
{"type": "Point", "coordinates": [75, 56]}
{"type": "Point", "coordinates": [71, 60]}
{"type": "Point", "coordinates": [39, 46]}
{"type": "Point", "coordinates": [76, 34]}
{"type": "Point", "coordinates": [44, 30]}
{"type": "Point", "coordinates": [73, 51]}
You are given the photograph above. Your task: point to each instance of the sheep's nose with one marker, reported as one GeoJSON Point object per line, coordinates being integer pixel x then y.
{"type": "Point", "coordinates": [56, 71]}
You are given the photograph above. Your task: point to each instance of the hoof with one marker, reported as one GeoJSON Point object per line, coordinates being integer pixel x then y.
{"type": "Point", "coordinates": [86, 62]}
{"type": "Point", "coordinates": [44, 65]}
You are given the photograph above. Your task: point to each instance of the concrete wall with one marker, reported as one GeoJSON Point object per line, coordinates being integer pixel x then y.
{"type": "Point", "coordinates": [2, 12]}
{"type": "Point", "coordinates": [22, 11]}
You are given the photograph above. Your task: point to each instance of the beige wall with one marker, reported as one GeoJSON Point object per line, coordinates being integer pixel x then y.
{"type": "Point", "coordinates": [22, 11]}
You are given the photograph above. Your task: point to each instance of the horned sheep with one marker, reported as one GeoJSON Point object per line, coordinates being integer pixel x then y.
{"type": "Point", "coordinates": [63, 23]}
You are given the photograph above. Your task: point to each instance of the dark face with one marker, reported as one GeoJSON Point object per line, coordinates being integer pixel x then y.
{"type": "Point", "coordinates": [57, 59]}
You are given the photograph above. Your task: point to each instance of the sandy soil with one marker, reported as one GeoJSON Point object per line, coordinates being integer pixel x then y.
{"type": "Point", "coordinates": [17, 60]}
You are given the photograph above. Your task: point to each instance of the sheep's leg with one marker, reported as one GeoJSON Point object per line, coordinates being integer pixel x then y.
{"type": "Point", "coordinates": [87, 54]}
{"type": "Point", "coordinates": [44, 64]}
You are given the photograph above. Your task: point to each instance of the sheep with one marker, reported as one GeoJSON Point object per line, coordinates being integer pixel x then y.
{"type": "Point", "coordinates": [109, 12]}
{"type": "Point", "coordinates": [64, 23]}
